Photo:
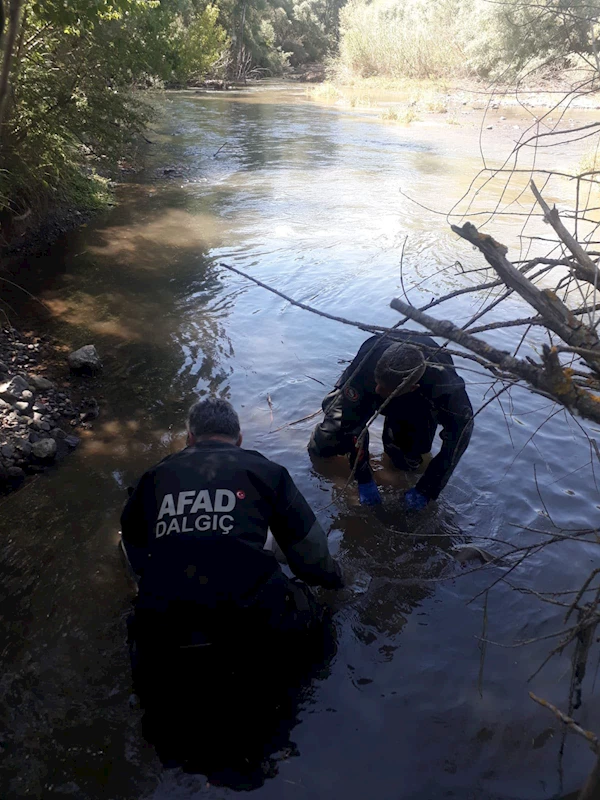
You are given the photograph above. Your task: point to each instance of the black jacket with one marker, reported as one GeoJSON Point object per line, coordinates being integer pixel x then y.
{"type": "Point", "coordinates": [196, 525]}
{"type": "Point", "coordinates": [441, 399]}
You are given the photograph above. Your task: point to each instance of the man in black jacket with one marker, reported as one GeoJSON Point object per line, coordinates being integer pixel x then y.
{"type": "Point", "coordinates": [195, 530]}
{"type": "Point", "coordinates": [221, 638]}
{"type": "Point", "coordinates": [432, 394]}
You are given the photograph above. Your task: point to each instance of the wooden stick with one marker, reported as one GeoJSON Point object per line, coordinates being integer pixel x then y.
{"type": "Point", "coordinates": [590, 737]}
{"type": "Point", "coordinates": [555, 314]}
{"type": "Point", "coordinates": [362, 325]}
{"type": "Point", "coordinates": [588, 270]}
{"type": "Point", "coordinates": [542, 377]}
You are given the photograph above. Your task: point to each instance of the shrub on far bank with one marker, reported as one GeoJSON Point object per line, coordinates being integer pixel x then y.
{"type": "Point", "coordinates": [400, 40]}
{"type": "Point", "coordinates": [406, 39]}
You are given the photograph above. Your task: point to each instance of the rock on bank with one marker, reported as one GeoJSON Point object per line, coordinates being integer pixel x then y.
{"type": "Point", "coordinates": [38, 416]}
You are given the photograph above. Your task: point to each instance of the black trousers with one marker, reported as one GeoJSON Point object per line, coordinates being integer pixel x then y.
{"type": "Point", "coordinates": [403, 440]}
{"type": "Point", "coordinates": [282, 615]}
{"type": "Point", "coordinates": [222, 699]}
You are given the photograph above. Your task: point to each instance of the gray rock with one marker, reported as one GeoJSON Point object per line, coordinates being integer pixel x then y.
{"type": "Point", "coordinates": [72, 441]}
{"type": "Point", "coordinates": [27, 395]}
{"type": "Point", "coordinates": [59, 433]}
{"type": "Point", "coordinates": [7, 451]}
{"type": "Point", "coordinates": [3, 367]}
{"type": "Point", "coordinates": [85, 361]}
{"type": "Point", "coordinates": [33, 437]}
{"type": "Point", "coordinates": [15, 472]}
{"type": "Point", "coordinates": [41, 408]}
{"type": "Point", "coordinates": [40, 382]}
{"type": "Point", "coordinates": [24, 447]}
{"type": "Point", "coordinates": [45, 426]}
{"type": "Point", "coordinates": [45, 449]}
{"type": "Point", "coordinates": [23, 407]}
{"type": "Point", "coordinates": [12, 389]}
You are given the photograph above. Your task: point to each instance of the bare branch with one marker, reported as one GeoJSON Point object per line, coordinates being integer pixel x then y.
{"type": "Point", "coordinates": [555, 314]}
{"type": "Point", "coordinates": [591, 738]}
{"type": "Point", "coordinates": [543, 377]}
{"type": "Point", "coordinates": [587, 270]}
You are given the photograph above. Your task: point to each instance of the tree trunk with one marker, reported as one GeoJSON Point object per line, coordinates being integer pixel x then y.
{"type": "Point", "coordinates": [14, 16]}
{"type": "Point", "coordinates": [241, 42]}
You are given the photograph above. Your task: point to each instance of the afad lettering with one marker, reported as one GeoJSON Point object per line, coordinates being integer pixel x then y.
{"type": "Point", "coordinates": [182, 507]}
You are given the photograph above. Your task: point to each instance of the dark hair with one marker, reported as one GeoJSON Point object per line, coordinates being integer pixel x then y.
{"type": "Point", "coordinates": [397, 363]}
{"type": "Point", "coordinates": [213, 417]}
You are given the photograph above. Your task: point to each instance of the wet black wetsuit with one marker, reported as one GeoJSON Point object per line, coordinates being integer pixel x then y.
{"type": "Point", "coordinates": [216, 619]}
{"type": "Point", "coordinates": [411, 419]}
{"type": "Point", "coordinates": [195, 529]}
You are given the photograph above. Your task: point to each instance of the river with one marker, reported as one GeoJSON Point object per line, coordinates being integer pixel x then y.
{"type": "Point", "coordinates": [305, 197]}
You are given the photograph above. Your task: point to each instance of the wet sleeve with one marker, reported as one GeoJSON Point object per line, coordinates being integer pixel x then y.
{"type": "Point", "coordinates": [455, 414]}
{"type": "Point", "coordinates": [301, 538]}
{"type": "Point", "coordinates": [137, 521]}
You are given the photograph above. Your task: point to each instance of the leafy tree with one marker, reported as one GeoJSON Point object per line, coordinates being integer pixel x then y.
{"type": "Point", "coordinates": [197, 45]}
{"type": "Point", "coordinates": [68, 99]}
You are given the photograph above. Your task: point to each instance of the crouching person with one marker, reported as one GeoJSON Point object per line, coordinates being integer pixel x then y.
{"type": "Point", "coordinates": [194, 530]}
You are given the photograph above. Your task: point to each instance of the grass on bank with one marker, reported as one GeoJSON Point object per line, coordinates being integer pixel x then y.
{"type": "Point", "coordinates": [409, 98]}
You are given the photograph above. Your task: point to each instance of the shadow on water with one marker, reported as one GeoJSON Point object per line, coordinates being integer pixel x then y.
{"type": "Point", "coordinates": [229, 713]}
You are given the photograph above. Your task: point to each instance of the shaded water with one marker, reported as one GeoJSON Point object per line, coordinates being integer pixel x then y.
{"type": "Point", "coordinates": [306, 198]}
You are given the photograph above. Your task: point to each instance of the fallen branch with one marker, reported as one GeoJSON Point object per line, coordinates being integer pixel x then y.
{"type": "Point", "coordinates": [555, 314]}
{"type": "Point", "coordinates": [591, 738]}
{"type": "Point", "coordinates": [587, 269]}
{"type": "Point", "coordinates": [543, 377]}
{"type": "Point", "coordinates": [362, 325]}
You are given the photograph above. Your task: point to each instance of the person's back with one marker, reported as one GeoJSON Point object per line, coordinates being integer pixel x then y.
{"type": "Point", "coordinates": [195, 528]}
{"type": "Point", "coordinates": [214, 609]}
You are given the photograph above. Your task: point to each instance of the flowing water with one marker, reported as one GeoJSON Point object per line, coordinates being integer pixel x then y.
{"type": "Point", "coordinates": [306, 198]}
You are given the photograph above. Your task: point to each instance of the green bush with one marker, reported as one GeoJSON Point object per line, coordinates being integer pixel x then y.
{"type": "Point", "coordinates": [74, 107]}
{"type": "Point", "coordinates": [196, 46]}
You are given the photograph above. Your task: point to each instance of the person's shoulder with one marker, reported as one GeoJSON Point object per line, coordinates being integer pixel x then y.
{"type": "Point", "coordinates": [267, 472]}
{"type": "Point", "coordinates": [170, 460]}
{"type": "Point", "coordinates": [368, 345]}
{"type": "Point", "coordinates": [259, 458]}
{"type": "Point", "coordinates": [413, 337]}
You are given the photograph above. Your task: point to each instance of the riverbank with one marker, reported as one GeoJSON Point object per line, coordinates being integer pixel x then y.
{"type": "Point", "coordinates": [411, 100]}
{"type": "Point", "coordinates": [42, 406]}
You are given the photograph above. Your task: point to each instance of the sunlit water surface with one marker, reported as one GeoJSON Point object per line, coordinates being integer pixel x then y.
{"type": "Point", "coordinates": [306, 198]}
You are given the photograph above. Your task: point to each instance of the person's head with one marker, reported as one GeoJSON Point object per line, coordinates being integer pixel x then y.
{"type": "Point", "coordinates": [396, 364]}
{"type": "Point", "coordinates": [213, 418]}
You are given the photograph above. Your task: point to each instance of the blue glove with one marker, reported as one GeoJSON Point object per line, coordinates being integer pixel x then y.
{"type": "Point", "coordinates": [414, 500]}
{"type": "Point", "coordinates": [368, 494]}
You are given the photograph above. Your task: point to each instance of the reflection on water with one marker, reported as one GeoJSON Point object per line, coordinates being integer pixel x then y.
{"type": "Point", "coordinates": [306, 198]}
{"type": "Point", "coordinates": [228, 711]}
